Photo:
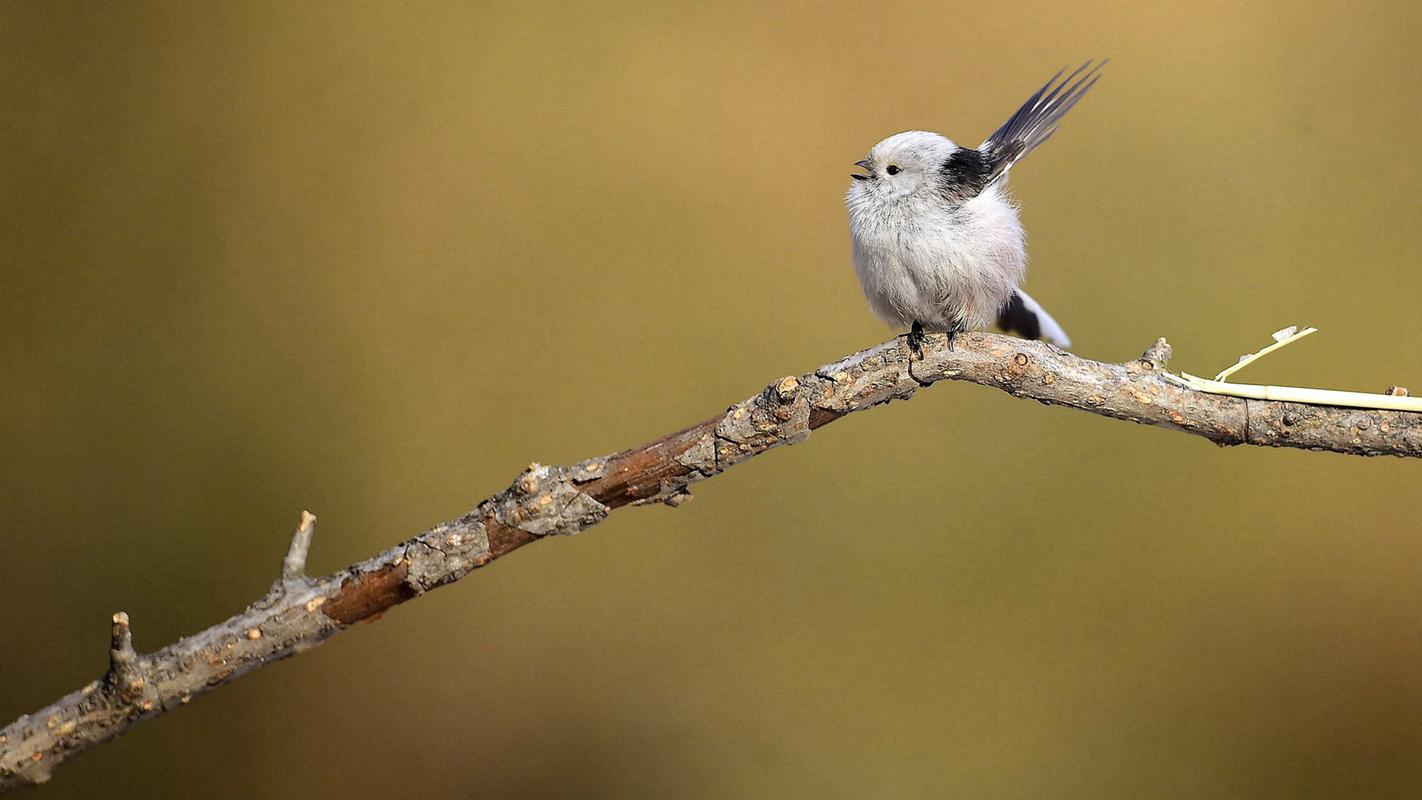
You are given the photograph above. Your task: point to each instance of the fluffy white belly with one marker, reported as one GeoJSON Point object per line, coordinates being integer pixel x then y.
{"type": "Point", "coordinates": [949, 270]}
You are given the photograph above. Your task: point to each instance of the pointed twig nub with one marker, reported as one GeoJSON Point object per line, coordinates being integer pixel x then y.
{"type": "Point", "coordinates": [294, 567]}
{"type": "Point", "coordinates": [121, 644]}
{"type": "Point", "coordinates": [124, 673]}
{"type": "Point", "coordinates": [1159, 353]}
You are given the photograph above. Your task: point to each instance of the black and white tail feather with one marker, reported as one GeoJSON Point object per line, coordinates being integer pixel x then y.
{"type": "Point", "coordinates": [1025, 317]}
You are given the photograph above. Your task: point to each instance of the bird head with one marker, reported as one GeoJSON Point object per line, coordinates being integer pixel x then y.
{"type": "Point", "coordinates": [905, 164]}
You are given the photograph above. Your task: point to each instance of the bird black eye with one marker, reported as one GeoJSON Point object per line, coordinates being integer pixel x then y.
{"type": "Point", "coordinates": [892, 169]}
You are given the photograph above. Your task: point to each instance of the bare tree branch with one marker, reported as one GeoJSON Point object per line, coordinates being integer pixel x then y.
{"type": "Point", "coordinates": [298, 612]}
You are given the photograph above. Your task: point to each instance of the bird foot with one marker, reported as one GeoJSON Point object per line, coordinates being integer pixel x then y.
{"type": "Point", "coordinates": [915, 339]}
{"type": "Point", "coordinates": [917, 335]}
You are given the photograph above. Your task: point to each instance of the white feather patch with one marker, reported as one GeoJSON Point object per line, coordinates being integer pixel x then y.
{"type": "Point", "coordinates": [1051, 331]}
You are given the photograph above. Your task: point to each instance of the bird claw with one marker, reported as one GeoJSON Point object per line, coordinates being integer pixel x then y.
{"type": "Point", "coordinates": [915, 339]}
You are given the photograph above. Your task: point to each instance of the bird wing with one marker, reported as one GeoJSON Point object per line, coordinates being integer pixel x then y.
{"type": "Point", "coordinates": [1036, 120]}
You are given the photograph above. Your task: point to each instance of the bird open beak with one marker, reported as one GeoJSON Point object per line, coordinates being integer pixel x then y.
{"type": "Point", "coordinates": [864, 165]}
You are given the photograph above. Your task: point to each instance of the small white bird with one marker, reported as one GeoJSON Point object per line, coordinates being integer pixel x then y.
{"type": "Point", "coordinates": [937, 243]}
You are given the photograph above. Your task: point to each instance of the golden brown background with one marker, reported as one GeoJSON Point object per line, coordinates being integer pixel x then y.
{"type": "Point", "coordinates": [371, 259]}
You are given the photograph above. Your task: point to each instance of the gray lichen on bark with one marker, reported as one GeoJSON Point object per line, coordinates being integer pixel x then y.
{"type": "Point", "coordinates": [548, 500]}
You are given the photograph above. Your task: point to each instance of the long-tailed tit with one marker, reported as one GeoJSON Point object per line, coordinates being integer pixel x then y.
{"type": "Point", "coordinates": [937, 243]}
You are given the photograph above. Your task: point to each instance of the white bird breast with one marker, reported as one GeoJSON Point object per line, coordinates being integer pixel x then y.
{"type": "Point", "coordinates": [948, 268]}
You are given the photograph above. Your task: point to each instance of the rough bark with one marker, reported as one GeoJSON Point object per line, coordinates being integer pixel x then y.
{"type": "Point", "coordinates": [299, 612]}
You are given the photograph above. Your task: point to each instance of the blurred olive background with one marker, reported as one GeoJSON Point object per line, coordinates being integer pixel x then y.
{"type": "Point", "coordinates": [372, 259]}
